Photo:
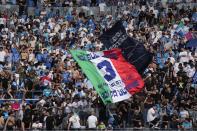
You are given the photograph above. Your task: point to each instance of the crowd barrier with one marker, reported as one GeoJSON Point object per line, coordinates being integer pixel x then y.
{"type": "Point", "coordinates": [19, 95]}
{"type": "Point", "coordinates": [28, 101]}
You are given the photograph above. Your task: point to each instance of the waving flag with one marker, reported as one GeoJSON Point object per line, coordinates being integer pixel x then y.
{"type": "Point", "coordinates": [118, 74]}
{"type": "Point", "coordinates": [133, 51]}
{"type": "Point", "coordinates": [113, 78]}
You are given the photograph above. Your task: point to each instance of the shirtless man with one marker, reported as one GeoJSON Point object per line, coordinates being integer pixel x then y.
{"type": "Point", "coordinates": [2, 123]}
{"type": "Point", "coordinates": [10, 123]}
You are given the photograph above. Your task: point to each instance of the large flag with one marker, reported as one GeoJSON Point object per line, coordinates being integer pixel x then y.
{"type": "Point", "coordinates": [82, 58]}
{"type": "Point", "coordinates": [133, 51]}
{"type": "Point", "coordinates": [106, 71]}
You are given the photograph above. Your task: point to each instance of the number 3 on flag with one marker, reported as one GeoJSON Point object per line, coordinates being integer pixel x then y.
{"type": "Point", "coordinates": [107, 70]}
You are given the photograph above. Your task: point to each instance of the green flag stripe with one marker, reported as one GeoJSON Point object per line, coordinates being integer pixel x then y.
{"type": "Point", "coordinates": [91, 72]}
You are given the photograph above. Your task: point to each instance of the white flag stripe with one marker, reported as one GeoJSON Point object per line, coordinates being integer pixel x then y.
{"type": "Point", "coordinates": [107, 70]}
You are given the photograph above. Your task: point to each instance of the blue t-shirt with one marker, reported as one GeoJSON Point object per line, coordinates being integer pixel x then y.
{"type": "Point", "coordinates": [45, 57]}
{"type": "Point", "coordinates": [66, 76]}
{"type": "Point", "coordinates": [48, 63]}
{"type": "Point", "coordinates": [47, 92]}
{"type": "Point", "coordinates": [15, 55]}
{"type": "Point", "coordinates": [5, 115]}
{"type": "Point", "coordinates": [187, 124]}
{"type": "Point", "coordinates": [39, 57]}
{"type": "Point", "coordinates": [194, 17]}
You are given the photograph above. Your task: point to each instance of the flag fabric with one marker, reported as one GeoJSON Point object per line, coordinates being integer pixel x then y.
{"type": "Point", "coordinates": [119, 74]}
{"type": "Point", "coordinates": [82, 58]}
{"type": "Point", "coordinates": [114, 53]}
{"type": "Point", "coordinates": [133, 51]}
{"type": "Point", "coordinates": [129, 75]}
{"type": "Point", "coordinates": [107, 73]}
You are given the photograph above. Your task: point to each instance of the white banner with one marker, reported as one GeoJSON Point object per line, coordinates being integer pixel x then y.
{"type": "Point", "coordinates": [106, 69]}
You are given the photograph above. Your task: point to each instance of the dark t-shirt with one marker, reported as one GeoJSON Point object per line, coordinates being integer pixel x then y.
{"type": "Point", "coordinates": [49, 122]}
{"type": "Point", "coordinates": [27, 118]}
{"type": "Point", "coordinates": [58, 120]}
{"type": "Point", "coordinates": [174, 124]}
{"type": "Point", "coordinates": [4, 83]}
{"type": "Point", "coordinates": [167, 95]}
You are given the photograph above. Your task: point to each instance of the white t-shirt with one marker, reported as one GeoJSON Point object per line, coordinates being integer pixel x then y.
{"type": "Point", "coordinates": [192, 58]}
{"type": "Point", "coordinates": [57, 28]}
{"type": "Point", "coordinates": [12, 34]}
{"type": "Point", "coordinates": [191, 72]}
{"type": "Point", "coordinates": [151, 115]}
{"type": "Point", "coordinates": [92, 120]}
{"type": "Point", "coordinates": [42, 102]}
{"type": "Point", "coordinates": [156, 12]}
{"type": "Point", "coordinates": [176, 70]}
{"type": "Point", "coordinates": [75, 120]}
{"type": "Point", "coordinates": [143, 8]}
{"type": "Point", "coordinates": [68, 108]}
{"type": "Point", "coordinates": [184, 57]}
{"type": "Point", "coordinates": [102, 6]}
{"type": "Point", "coordinates": [2, 21]}
{"type": "Point", "coordinates": [31, 57]}
{"type": "Point", "coordinates": [2, 56]}
{"type": "Point", "coordinates": [184, 114]}
{"type": "Point", "coordinates": [172, 60]}
{"type": "Point", "coordinates": [37, 125]}
{"type": "Point", "coordinates": [51, 25]}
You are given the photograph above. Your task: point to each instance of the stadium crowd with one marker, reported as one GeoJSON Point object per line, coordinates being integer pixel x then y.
{"type": "Point", "coordinates": [35, 63]}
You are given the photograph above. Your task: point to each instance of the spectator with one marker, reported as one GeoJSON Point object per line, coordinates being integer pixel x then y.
{"type": "Point", "coordinates": [101, 126]}
{"type": "Point", "coordinates": [10, 122]}
{"type": "Point", "coordinates": [92, 121]}
{"type": "Point", "coordinates": [2, 123]}
{"type": "Point", "coordinates": [152, 116]}
{"type": "Point", "coordinates": [50, 122]}
{"type": "Point", "coordinates": [74, 122]}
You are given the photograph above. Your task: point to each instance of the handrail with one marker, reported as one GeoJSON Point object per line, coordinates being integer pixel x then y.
{"type": "Point", "coordinates": [32, 91]}
{"type": "Point", "coordinates": [18, 99]}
